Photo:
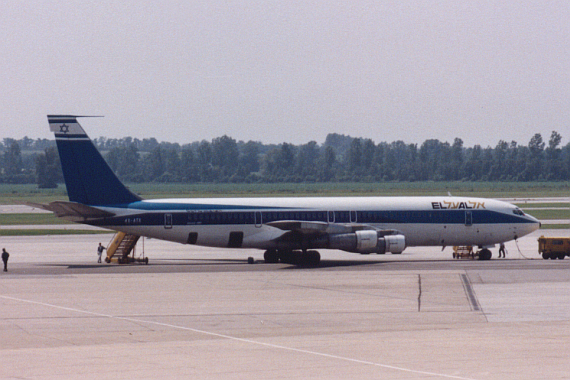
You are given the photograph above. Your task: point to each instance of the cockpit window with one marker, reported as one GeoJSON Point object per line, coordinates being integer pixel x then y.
{"type": "Point", "coordinates": [518, 211]}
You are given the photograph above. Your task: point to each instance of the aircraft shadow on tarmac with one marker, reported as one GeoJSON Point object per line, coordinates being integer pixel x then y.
{"type": "Point", "coordinates": [231, 262]}
{"type": "Point", "coordinates": [239, 265]}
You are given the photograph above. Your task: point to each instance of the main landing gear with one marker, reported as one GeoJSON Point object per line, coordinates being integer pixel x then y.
{"type": "Point", "coordinates": [305, 258]}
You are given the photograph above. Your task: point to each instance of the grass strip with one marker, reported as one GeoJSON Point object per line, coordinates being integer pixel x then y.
{"type": "Point", "coordinates": [530, 206]}
{"type": "Point", "coordinates": [51, 232]}
{"type": "Point", "coordinates": [30, 219]}
{"type": "Point", "coordinates": [10, 194]}
{"type": "Point", "coordinates": [550, 214]}
{"type": "Point", "coordinates": [555, 227]}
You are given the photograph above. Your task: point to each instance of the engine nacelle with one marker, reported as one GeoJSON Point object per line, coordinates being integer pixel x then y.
{"type": "Point", "coordinates": [395, 243]}
{"type": "Point", "coordinates": [367, 241]}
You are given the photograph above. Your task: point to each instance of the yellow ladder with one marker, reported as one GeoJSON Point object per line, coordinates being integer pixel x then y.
{"type": "Point", "coordinates": [121, 246]}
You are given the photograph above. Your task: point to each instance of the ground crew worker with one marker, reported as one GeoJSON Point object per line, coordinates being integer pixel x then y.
{"type": "Point", "coordinates": [5, 256]}
{"type": "Point", "coordinates": [100, 251]}
{"type": "Point", "coordinates": [502, 250]}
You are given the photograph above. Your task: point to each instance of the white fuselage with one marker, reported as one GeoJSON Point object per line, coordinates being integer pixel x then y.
{"type": "Point", "coordinates": [424, 221]}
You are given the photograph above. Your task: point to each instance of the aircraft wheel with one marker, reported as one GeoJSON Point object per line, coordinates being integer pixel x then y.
{"type": "Point", "coordinates": [312, 258]}
{"type": "Point", "coordinates": [546, 255]}
{"type": "Point", "coordinates": [485, 254]}
{"type": "Point", "coordinates": [289, 257]}
{"type": "Point", "coordinates": [271, 256]}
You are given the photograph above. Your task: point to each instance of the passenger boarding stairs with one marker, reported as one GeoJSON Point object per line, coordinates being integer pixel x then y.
{"type": "Point", "coordinates": [121, 246]}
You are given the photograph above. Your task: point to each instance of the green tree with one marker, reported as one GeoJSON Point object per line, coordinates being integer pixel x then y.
{"type": "Point", "coordinates": [368, 152]}
{"type": "Point", "coordinates": [188, 165]}
{"type": "Point", "coordinates": [474, 163]}
{"type": "Point", "coordinates": [329, 164]}
{"type": "Point", "coordinates": [225, 157]}
{"type": "Point", "coordinates": [12, 161]}
{"type": "Point", "coordinates": [534, 168]}
{"type": "Point", "coordinates": [307, 161]}
{"type": "Point", "coordinates": [431, 159]}
{"type": "Point", "coordinates": [355, 158]}
{"type": "Point", "coordinates": [249, 158]}
{"type": "Point", "coordinates": [340, 143]}
{"type": "Point", "coordinates": [278, 164]}
{"type": "Point", "coordinates": [554, 166]}
{"type": "Point", "coordinates": [154, 164]}
{"type": "Point", "coordinates": [204, 160]}
{"type": "Point", "coordinates": [124, 160]}
{"type": "Point", "coordinates": [456, 167]}
{"type": "Point", "coordinates": [499, 167]}
{"type": "Point", "coordinates": [172, 165]}
{"type": "Point", "coordinates": [48, 169]}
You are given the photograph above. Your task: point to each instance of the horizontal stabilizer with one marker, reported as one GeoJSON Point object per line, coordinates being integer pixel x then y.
{"type": "Point", "coordinates": [75, 212]}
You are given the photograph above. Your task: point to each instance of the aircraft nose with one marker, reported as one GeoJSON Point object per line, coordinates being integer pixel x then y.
{"type": "Point", "coordinates": [537, 224]}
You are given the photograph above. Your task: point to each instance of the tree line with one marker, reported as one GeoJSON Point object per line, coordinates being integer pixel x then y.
{"type": "Point", "coordinates": [340, 158]}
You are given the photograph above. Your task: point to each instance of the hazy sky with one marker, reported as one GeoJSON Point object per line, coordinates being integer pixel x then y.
{"type": "Point", "coordinates": [293, 71]}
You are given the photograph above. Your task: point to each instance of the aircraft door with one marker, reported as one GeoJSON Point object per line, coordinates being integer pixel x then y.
{"type": "Point", "coordinates": [468, 218]}
{"type": "Point", "coordinates": [353, 217]}
{"type": "Point", "coordinates": [258, 219]}
{"type": "Point", "coordinates": [330, 217]}
{"type": "Point", "coordinates": [167, 221]}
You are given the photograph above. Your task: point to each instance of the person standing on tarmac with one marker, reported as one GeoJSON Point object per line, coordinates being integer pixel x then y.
{"type": "Point", "coordinates": [502, 250]}
{"type": "Point", "coordinates": [100, 249]}
{"type": "Point", "coordinates": [5, 256]}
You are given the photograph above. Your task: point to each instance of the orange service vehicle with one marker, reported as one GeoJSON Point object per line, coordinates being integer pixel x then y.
{"type": "Point", "coordinates": [554, 247]}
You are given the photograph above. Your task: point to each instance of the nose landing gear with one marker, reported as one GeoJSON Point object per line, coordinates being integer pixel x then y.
{"type": "Point", "coordinates": [485, 254]}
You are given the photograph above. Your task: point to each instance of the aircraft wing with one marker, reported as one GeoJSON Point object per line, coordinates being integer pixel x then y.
{"type": "Point", "coordinates": [75, 212]}
{"type": "Point", "coordinates": [318, 228]}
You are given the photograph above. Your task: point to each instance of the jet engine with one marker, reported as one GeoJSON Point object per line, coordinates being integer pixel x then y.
{"type": "Point", "coordinates": [367, 241]}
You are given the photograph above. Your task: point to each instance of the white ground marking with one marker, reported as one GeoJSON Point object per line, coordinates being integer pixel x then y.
{"type": "Point", "coordinates": [276, 346]}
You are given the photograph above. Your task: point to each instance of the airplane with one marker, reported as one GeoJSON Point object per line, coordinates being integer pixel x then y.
{"type": "Point", "coordinates": [285, 228]}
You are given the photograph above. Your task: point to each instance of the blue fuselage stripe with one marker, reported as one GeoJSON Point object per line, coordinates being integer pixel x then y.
{"type": "Point", "coordinates": [207, 216]}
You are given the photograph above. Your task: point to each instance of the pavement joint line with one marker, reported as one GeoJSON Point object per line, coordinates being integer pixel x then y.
{"type": "Point", "coordinates": [419, 293]}
{"type": "Point", "coordinates": [470, 293]}
{"type": "Point", "coordinates": [243, 340]}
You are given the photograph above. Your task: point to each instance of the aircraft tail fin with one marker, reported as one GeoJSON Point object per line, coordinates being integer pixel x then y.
{"type": "Point", "coordinates": [88, 178]}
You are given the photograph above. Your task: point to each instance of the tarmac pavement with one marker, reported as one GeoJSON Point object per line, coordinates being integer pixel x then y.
{"type": "Point", "coordinates": [205, 313]}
